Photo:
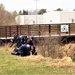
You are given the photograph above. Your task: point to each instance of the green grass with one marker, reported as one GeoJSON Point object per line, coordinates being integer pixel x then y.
{"type": "Point", "coordinates": [16, 65]}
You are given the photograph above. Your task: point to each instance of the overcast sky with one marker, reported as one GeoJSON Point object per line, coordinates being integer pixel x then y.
{"type": "Point", "coordinates": [51, 5]}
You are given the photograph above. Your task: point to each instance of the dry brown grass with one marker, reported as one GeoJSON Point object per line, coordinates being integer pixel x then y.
{"type": "Point", "coordinates": [60, 63]}
{"type": "Point", "coordinates": [69, 48]}
{"type": "Point", "coordinates": [49, 61]}
{"type": "Point", "coordinates": [9, 47]}
{"type": "Point", "coordinates": [37, 58]}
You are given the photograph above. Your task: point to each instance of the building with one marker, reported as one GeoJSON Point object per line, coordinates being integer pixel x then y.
{"type": "Point", "coordinates": [59, 17]}
{"type": "Point", "coordinates": [29, 19]}
{"type": "Point", "coordinates": [47, 18]}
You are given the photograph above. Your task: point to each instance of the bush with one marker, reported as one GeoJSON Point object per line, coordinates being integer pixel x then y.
{"type": "Point", "coordinates": [49, 47]}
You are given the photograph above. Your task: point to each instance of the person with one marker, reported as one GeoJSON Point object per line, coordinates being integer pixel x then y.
{"type": "Point", "coordinates": [0, 42]}
{"type": "Point", "coordinates": [15, 51]}
{"type": "Point", "coordinates": [34, 51]}
{"type": "Point", "coordinates": [67, 58]}
{"type": "Point", "coordinates": [21, 40]}
{"type": "Point", "coordinates": [24, 40]}
{"type": "Point", "coordinates": [15, 38]}
{"type": "Point", "coordinates": [25, 50]}
{"type": "Point", "coordinates": [30, 41]}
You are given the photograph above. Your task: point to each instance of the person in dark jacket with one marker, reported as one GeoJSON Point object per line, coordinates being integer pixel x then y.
{"type": "Point", "coordinates": [15, 37]}
{"type": "Point", "coordinates": [21, 40]}
{"type": "Point", "coordinates": [25, 50]}
{"type": "Point", "coordinates": [30, 41]}
{"type": "Point", "coordinates": [0, 42]}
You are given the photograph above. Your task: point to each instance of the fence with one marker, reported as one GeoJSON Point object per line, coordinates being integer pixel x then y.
{"type": "Point", "coordinates": [39, 30]}
{"type": "Point", "coordinates": [49, 46]}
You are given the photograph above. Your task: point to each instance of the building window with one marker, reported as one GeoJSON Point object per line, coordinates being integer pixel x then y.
{"type": "Point", "coordinates": [33, 22]}
{"type": "Point", "coordinates": [50, 20]}
{"type": "Point", "coordinates": [72, 20]}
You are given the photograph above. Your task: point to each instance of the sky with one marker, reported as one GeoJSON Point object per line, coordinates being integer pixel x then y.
{"type": "Point", "coordinates": [50, 5]}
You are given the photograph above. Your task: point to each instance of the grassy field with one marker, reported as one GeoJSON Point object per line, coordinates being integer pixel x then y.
{"type": "Point", "coordinates": [32, 65]}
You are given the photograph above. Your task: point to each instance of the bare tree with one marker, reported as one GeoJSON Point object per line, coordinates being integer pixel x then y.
{"type": "Point", "coordinates": [49, 47]}
{"type": "Point", "coordinates": [6, 18]}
